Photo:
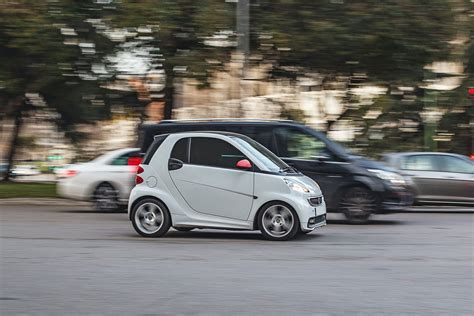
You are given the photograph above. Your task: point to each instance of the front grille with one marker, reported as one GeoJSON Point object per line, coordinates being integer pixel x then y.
{"type": "Point", "coordinates": [315, 201]}
{"type": "Point", "coordinates": [316, 220]}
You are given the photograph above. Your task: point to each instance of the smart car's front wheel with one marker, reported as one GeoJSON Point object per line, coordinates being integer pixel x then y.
{"type": "Point", "coordinates": [151, 218]}
{"type": "Point", "coordinates": [278, 221]}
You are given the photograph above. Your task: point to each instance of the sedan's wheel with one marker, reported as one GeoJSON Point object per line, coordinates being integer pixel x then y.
{"type": "Point", "coordinates": [151, 218]}
{"type": "Point", "coordinates": [184, 229]}
{"type": "Point", "coordinates": [278, 221]}
{"type": "Point", "coordinates": [357, 204]}
{"type": "Point", "coordinates": [105, 198]}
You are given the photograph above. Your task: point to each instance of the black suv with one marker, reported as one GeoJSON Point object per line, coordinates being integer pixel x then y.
{"type": "Point", "coordinates": [351, 184]}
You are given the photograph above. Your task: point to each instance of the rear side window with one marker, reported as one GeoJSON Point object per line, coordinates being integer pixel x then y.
{"type": "Point", "coordinates": [122, 160]}
{"type": "Point", "coordinates": [180, 150]}
{"type": "Point", "coordinates": [153, 148]}
{"type": "Point", "coordinates": [214, 152]}
{"type": "Point", "coordinates": [455, 164]}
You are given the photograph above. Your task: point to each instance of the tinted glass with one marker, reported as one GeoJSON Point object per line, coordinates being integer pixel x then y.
{"type": "Point", "coordinates": [214, 152]}
{"type": "Point", "coordinates": [264, 156]}
{"type": "Point", "coordinates": [455, 164]}
{"type": "Point", "coordinates": [294, 143]}
{"type": "Point", "coordinates": [263, 135]}
{"type": "Point", "coordinates": [122, 160]}
{"type": "Point", "coordinates": [180, 150]}
{"type": "Point", "coordinates": [420, 163]}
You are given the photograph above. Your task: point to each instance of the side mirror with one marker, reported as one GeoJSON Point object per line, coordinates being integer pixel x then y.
{"type": "Point", "coordinates": [243, 164]}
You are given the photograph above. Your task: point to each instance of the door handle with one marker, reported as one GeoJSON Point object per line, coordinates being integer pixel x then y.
{"type": "Point", "coordinates": [175, 164]}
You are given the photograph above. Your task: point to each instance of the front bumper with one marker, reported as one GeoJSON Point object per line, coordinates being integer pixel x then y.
{"type": "Point", "coordinates": [395, 200]}
{"type": "Point", "coordinates": [311, 216]}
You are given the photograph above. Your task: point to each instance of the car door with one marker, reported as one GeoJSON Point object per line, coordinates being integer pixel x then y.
{"type": "Point", "coordinates": [208, 180]}
{"type": "Point", "coordinates": [428, 180]}
{"type": "Point", "coordinates": [458, 178]}
{"type": "Point", "coordinates": [311, 156]}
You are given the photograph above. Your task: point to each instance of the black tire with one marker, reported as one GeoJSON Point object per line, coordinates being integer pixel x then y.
{"type": "Point", "coordinates": [184, 229]}
{"type": "Point", "coordinates": [106, 198]}
{"type": "Point", "coordinates": [139, 222]}
{"type": "Point", "coordinates": [281, 209]}
{"type": "Point", "coordinates": [357, 204]}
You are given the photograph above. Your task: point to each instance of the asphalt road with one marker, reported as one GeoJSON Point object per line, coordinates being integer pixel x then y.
{"type": "Point", "coordinates": [62, 260]}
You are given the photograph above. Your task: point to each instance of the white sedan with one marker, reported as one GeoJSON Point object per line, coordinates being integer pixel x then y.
{"type": "Point", "coordinates": [105, 181]}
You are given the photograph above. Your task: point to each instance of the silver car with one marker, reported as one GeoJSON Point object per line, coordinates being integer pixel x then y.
{"type": "Point", "coordinates": [436, 177]}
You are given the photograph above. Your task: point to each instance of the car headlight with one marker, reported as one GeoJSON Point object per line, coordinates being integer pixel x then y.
{"type": "Point", "coordinates": [295, 186]}
{"type": "Point", "coordinates": [392, 177]}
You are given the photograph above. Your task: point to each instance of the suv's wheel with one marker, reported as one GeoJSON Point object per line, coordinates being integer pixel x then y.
{"type": "Point", "coordinates": [357, 204]}
{"type": "Point", "coordinates": [151, 218]}
{"type": "Point", "coordinates": [184, 229]}
{"type": "Point", "coordinates": [278, 221]}
{"type": "Point", "coordinates": [105, 198]}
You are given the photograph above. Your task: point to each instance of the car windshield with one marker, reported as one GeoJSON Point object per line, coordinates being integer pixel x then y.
{"type": "Point", "coordinates": [268, 159]}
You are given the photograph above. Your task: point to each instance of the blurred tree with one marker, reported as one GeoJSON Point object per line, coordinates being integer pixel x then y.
{"type": "Point", "coordinates": [37, 69]}
{"type": "Point", "coordinates": [387, 42]}
{"type": "Point", "coordinates": [194, 37]}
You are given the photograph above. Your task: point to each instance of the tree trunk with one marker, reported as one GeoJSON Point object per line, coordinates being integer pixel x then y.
{"type": "Point", "coordinates": [169, 94]}
{"type": "Point", "coordinates": [18, 122]}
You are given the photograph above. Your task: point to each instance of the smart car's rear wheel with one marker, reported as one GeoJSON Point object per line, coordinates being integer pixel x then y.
{"type": "Point", "coordinates": [278, 221]}
{"type": "Point", "coordinates": [105, 198]}
{"type": "Point", "coordinates": [357, 204]}
{"type": "Point", "coordinates": [151, 218]}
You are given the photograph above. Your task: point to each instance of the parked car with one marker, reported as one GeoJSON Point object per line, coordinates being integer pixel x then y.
{"type": "Point", "coordinates": [24, 170]}
{"type": "Point", "coordinates": [436, 177]}
{"type": "Point", "coordinates": [353, 185]}
{"type": "Point", "coordinates": [225, 181]}
{"type": "Point", "coordinates": [106, 181]}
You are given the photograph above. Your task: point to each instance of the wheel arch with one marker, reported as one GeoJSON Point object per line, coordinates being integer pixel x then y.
{"type": "Point", "coordinates": [141, 198]}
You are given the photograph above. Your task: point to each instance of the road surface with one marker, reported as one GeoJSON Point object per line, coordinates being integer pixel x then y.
{"type": "Point", "coordinates": [63, 260]}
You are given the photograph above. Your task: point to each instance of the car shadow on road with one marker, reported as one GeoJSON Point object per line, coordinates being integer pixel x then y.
{"type": "Point", "coordinates": [91, 211]}
{"type": "Point", "coordinates": [369, 222]}
{"type": "Point", "coordinates": [220, 235]}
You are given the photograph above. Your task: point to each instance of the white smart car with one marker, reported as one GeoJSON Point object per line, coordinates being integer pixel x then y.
{"type": "Point", "coordinates": [223, 181]}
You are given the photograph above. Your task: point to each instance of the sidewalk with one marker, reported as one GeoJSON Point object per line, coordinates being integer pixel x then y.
{"type": "Point", "coordinates": [43, 201]}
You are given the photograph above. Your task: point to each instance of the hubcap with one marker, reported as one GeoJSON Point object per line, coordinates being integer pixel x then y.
{"type": "Point", "coordinates": [105, 198]}
{"type": "Point", "coordinates": [149, 218]}
{"type": "Point", "coordinates": [277, 220]}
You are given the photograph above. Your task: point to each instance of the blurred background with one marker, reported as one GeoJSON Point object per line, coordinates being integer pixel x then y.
{"type": "Point", "coordinates": [77, 78]}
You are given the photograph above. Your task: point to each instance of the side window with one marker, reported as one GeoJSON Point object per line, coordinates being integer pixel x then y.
{"type": "Point", "coordinates": [214, 152]}
{"type": "Point", "coordinates": [180, 150]}
{"type": "Point", "coordinates": [293, 143]}
{"type": "Point", "coordinates": [122, 160]}
{"type": "Point", "coordinates": [420, 163]}
{"type": "Point", "coordinates": [454, 164]}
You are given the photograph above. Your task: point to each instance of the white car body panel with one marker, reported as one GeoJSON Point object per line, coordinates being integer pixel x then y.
{"type": "Point", "coordinates": [219, 197]}
{"type": "Point", "coordinates": [91, 174]}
